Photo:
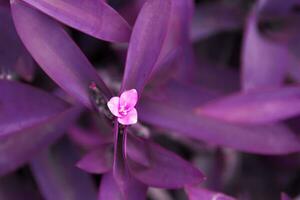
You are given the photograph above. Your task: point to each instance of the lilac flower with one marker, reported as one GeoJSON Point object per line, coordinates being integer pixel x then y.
{"type": "Point", "coordinates": [123, 107]}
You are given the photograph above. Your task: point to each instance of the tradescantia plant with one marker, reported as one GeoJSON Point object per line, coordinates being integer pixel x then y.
{"type": "Point", "coordinates": [166, 92]}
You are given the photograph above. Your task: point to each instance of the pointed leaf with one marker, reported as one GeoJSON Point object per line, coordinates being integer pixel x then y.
{"type": "Point", "coordinates": [130, 188]}
{"type": "Point", "coordinates": [23, 106]}
{"type": "Point", "coordinates": [145, 43]}
{"type": "Point", "coordinates": [29, 120]}
{"type": "Point", "coordinates": [58, 55]}
{"type": "Point", "coordinates": [19, 147]}
{"type": "Point", "coordinates": [165, 170]}
{"type": "Point", "coordinates": [256, 106]}
{"type": "Point", "coordinates": [267, 139]}
{"type": "Point", "coordinates": [178, 38]}
{"type": "Point", "coordinates": [94, 17]}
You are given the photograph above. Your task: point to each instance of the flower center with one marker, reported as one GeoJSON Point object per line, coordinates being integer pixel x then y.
{"type": "Point", "coordinates": [123, 110]}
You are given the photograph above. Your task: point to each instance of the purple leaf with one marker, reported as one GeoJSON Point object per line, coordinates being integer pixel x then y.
{"type": "Point", "coordinates": [165, 170]}
{"type": "Point", "coordinates": [131, 189]}
{"type": "Point", "coordinates": [268, 70]}
{"type": "Point", "coordinates": [267, 139]}
{"type": "Point", "coordinates": [94, 17]}
{"type": "Point", "coordinates": [109, 188]}
{"type": "Point", "coordinates": [164, 68]}
{"type": "Point", "coordinates": [178, 38]}
{"type": "Point", "coordinates": [137, 151]}
{"type": "Point", "coordinates": [18, 148]}
{"type": "Point", "coordinates": [197, 193]}
{"type": "Point", "coordinates": [41, 119]}
{"type": "Point", "coordinates": [57, 176]}
{"type": "Point", "coordinates": [98, 161]}
{"type": "Point", "coordinates": [61, 59]}
{"type": "Point", "coordinates": [145, 43]}
{"type": "Point", "coordinates": [23, 106]}
{"type": "Point", "coordinates": [256, 106]}
{"type": "Point", "coordinates": [13, 55]}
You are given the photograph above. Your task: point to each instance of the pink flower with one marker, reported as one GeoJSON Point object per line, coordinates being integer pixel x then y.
{"type": "Point", "coordinates": [123, 107]}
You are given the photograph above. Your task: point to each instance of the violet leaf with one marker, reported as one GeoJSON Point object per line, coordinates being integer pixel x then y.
{"type": "Point", "coordinates": [145, 43]}
{"type": "Point", "coordinates": [23, 106]}
{"type": "Point", "coordinates": [256, 106]}
{"type": "Point", "coordinates": [61, 59]}
{"type": "Point", "coordinates": [266, 139]}
{"type": "Point", "coordinates": [130, 188]}
{"type": "Point", "coordinates": [165, 170]}
{"type": "Point", "coordinates": [94, 17]}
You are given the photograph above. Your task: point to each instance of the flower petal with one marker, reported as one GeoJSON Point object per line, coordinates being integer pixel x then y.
{"type": "Point", "coordinates": [61, 59]}
{"type": "Point", "coordinates": [130, 118]}
{"type": "Point", "coordinates": [197, 193]}
{"type": "Point", "coordinates": [113, 105]}
{"type": "Point", "coordinates": [165, 169]}
{"type": "Point", "coordinates": [145, 43]}
{"type": "Point", "coordinates": [94, 17]}
{"type": "Point", "coordinates": [129, 98]}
